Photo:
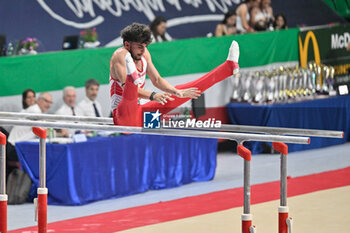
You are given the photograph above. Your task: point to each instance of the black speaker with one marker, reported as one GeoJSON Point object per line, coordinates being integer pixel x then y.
{"type": "Point", "coordinates": [2, 45]}
{"type": "Point", "coordinates": [198, 106]}
{"type": "Point", "coordinates": [70, 42]}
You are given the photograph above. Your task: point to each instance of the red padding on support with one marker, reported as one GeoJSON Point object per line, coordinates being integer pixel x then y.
{"type": "Point", "coordinates": [42, 213]}
{"type": "Point", "coordinates": [282, 224]}
{"type": "Point", "coordinates": [246, 225]}
{"type": "Point", "coordinates": [3, 216]}
{"type": "Point", "coordinates": [2, 139]}
{"type": "Point", "coordinates": [41, 133]}
{"type": "Point", "coordinates": [280, 147]}
{"type": "Point", "coordinates": [244, 152]}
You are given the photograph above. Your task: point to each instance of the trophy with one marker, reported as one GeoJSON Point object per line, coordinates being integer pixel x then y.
{"type": "Point", "coordinates": [247, 88]}
{"type": "Point", "coordinates": [325, 77]}
{"type": "Point", "coordinates": [259, 87]}
{"type": "Point", "coordinates": [312, 79]}
{"type": "Point", "coordinates": [296, 87]}
{"type": "Point", "coordinates": [330, 81]}
{"type": "Point", "coordinates": [305, 81]}
{"type": "Point", "coordinates": [289, 84]}
{"type": "Point", "coordinates": [236, 85]}
{"type": "Point", "coordinates": [301, 87]}
{"type": "Point", "coordinates": [276, 81]}
{"type": "Point", "coordinates": [271, 87]}
{"type": "Point", "coordinates": [282, 83]}
{"type": "Point", "coordinates": [317, 70]}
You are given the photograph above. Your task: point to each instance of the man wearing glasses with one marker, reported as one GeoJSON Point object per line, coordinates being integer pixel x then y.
{"type": "Point", "coordinates": [24, 133]}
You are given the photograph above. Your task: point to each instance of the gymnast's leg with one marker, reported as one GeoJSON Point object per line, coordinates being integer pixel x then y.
{"type": "Point", "coordinates": [227, 69]}
{"type": "Point", "coordinates": [127, 111]}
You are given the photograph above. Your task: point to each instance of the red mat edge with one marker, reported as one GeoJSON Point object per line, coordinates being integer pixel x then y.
{"type": "Point", "coordinates": [197, 205]}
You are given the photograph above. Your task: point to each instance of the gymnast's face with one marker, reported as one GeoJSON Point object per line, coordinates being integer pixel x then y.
{"type": "Point", "coordinates": [137, 49]}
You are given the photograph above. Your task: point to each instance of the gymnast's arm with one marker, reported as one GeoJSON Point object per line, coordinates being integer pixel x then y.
{"type": "Point", "coordinates": [163, 85]}
{"type": "Point", "coordinates": [117, 66]}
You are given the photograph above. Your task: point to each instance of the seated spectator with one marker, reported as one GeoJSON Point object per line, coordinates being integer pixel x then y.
{"type": "Point", "coordinates": [243, 16]}
{"type": "Point", "coordinates": [228, 25]}
{"type": "Point", "coordinates": [28, 98]}
{"type": "Point", "coordinates": [68, 108]}
{"type": "Point", "coordinates": [89, 105]}
{"type": "Point", "coordinates": [24, 133]}
{"type": "Point", "coordinates": [262, 16]}
{"type": "Point", "coordinates": [280, 22]}
{"type": "Point", "coordinates": [158, 28]}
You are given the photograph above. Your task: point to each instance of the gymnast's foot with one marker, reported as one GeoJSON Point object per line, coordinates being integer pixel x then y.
{"type": "Point", "coordinates": [233, 55]}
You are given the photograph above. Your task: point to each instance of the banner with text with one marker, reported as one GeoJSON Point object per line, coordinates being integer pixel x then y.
{"type": "Point", "coordinates": [49, 21]}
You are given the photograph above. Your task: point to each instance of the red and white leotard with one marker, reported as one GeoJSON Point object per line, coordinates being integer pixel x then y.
{"type": "Point", "coordinates": [127, 111]}
{"type": "Point", "coordinates": [117, 89]}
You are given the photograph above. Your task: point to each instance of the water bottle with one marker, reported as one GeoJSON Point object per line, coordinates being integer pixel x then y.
{"type": "Point", "coordinates": [10, 49]}
{"type": "Point", "coordinates": [81, 43]}
{"type": "Point", "coordinates": [51, 134]}
{"type": "Point", "coordinates": [187, 114]}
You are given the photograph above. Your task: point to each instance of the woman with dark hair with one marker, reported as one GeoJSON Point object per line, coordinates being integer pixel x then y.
{"type": "Point", "coordinates": [28, 98]}
{"type": "Point", "coordinates": [228, 25]}
{"type": "Point", "coordinates": [280, 22]}
{"type": "Point", "coordinates": [262, 16]}
{"type": "Point", "coordinates": [158, 28]}
{"type": "Point", "coordinates": [243, 15]}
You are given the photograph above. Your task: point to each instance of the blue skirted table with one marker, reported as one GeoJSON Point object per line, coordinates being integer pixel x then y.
{"type": "Point", "coordinates": [103, 168]}
{"type": "Point", "coordinates": [331, 113]}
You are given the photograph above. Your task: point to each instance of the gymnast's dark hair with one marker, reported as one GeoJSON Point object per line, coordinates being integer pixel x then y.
{"type": "Point", "coordinates": [137, 32]}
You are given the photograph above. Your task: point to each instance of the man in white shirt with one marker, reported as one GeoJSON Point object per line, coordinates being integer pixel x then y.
{"type": "Point", "coordinates": [89, 105]}
{"type": "Point", "coordinates": [69, 108]}
{"type": "Point", "coordinates": [24, 133]}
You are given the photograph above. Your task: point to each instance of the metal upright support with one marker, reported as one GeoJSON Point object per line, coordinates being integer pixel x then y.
{"type": "Point", "coordinates": [42, 163]}
{"type": "Point", "coordinates": [3, 195]}
{"type": "Point", "coordinates": [247, 218]}
{"type": "Point", "coordinates": [42, 190]}
{"type": "Point", "coordinates": [284, 222]}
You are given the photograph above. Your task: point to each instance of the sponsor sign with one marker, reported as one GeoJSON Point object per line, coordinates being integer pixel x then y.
{"type": "Point", "coordinates": [329, 45]}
